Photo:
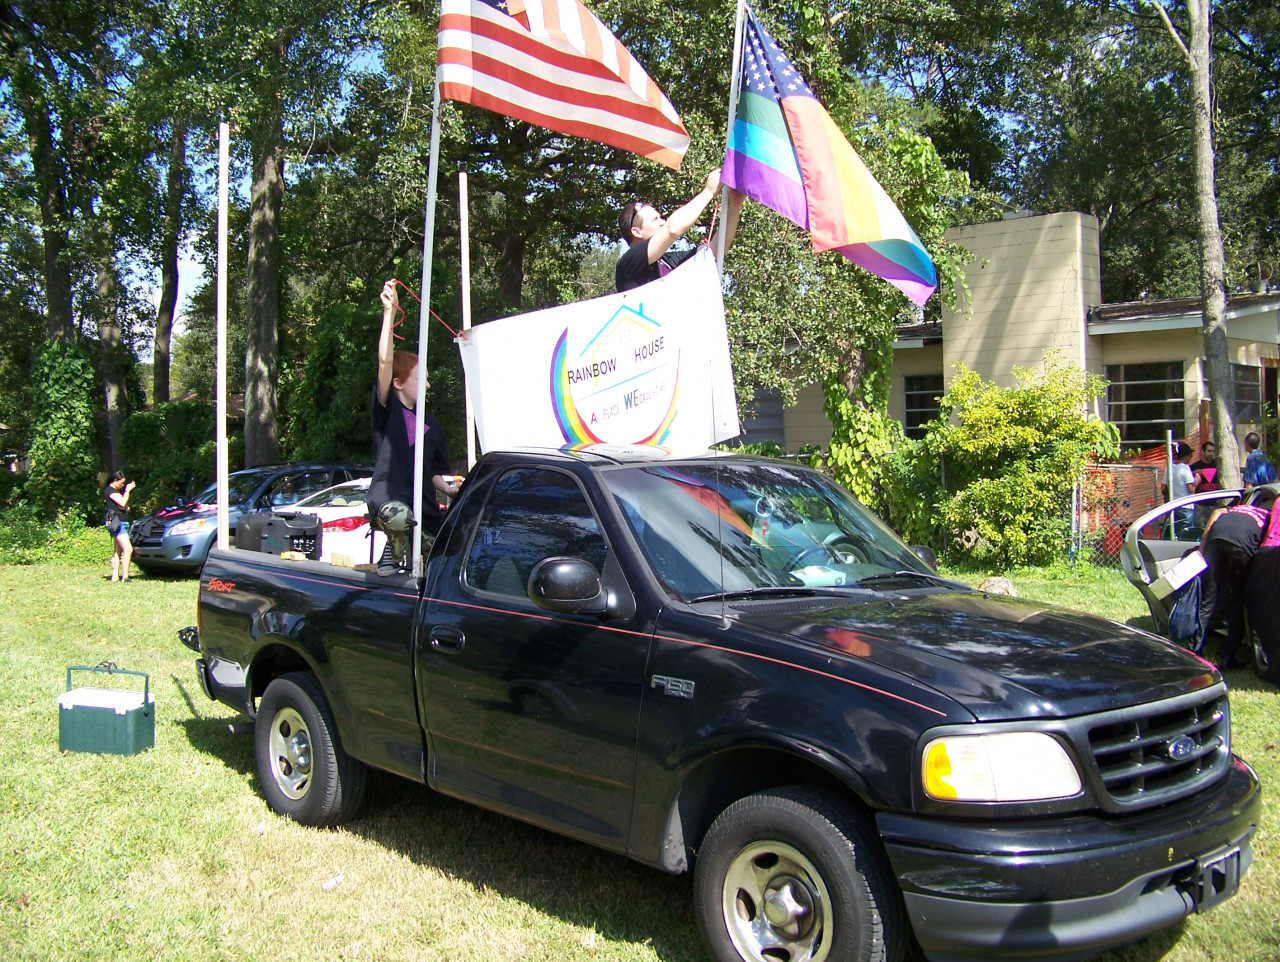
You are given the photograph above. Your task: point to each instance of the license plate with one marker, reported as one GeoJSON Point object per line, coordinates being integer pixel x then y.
{"type": "Point", "coordinates": [1217, 878]}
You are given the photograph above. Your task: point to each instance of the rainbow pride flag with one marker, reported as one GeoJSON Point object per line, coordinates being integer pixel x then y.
{"type": "Point", "coordinates": [786, 152]}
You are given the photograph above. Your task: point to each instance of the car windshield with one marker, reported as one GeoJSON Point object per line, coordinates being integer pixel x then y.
{"type": "Point", "coordinates": [240, 488]}
{"type": "Point", "coordinates": [773, 524]}
{"type": "Point", "coordinates": [351, 494]}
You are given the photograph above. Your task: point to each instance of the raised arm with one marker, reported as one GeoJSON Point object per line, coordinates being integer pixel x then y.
{"type": "Point", "coordinates": [386, 342]}
{"type": "Point", "coordinates": [683, 218]}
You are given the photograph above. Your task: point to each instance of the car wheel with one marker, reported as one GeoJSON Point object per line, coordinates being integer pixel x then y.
{"type": "Point", "coordinates": [797, 874]}
{"type": "Point", "coordinates": [305, 773]}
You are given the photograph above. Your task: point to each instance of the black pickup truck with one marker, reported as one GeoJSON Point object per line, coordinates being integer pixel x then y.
{"type": "Point", "coordinates": [728, 663]}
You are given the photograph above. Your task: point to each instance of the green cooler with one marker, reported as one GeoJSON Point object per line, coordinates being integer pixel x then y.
{"type": "Point", "coordinates": [106, 721]}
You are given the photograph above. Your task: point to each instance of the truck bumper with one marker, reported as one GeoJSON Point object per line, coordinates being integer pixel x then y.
{"type": "Point", "coordinates": [1061, 890]}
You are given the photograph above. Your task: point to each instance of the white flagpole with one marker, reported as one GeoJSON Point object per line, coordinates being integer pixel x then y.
{"type": "Point", "coordinates": [224, 162]}
{"type": "Point", "coordinates": [464, 226]}
{"type": "Point", "coordinates": [736, 70]}
{"type": "Point", "coordinates": [424, 317]}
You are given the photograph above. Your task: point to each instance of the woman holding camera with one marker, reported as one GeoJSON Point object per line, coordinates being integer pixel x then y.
{"type": "Point", "coordinates": [116, 494]}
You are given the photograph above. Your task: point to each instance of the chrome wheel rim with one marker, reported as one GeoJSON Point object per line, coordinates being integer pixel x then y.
{"type": "Point", "coordinates": [776, 905]}
{"type": "Point", "coordinates": [290, 753]}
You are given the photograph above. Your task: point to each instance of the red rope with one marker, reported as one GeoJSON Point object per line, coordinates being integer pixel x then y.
{"type": "Point", "coordinates": [401, 283]}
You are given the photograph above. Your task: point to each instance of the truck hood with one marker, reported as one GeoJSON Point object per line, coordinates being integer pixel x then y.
{"type": "Point", "coordinates": [999, 657]}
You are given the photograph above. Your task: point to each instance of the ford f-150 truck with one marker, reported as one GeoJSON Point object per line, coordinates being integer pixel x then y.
{"type": "Point", "coordinates": [727, 663]}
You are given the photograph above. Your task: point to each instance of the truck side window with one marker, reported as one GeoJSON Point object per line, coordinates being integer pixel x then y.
{"type": "Point", "coordinates": [532, 514]}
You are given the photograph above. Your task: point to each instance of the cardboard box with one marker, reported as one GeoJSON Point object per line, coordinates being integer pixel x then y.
{"type": "Point", "coordinates": [1177, 576]}
{"type": "Point", "coordinates": [106, 721]}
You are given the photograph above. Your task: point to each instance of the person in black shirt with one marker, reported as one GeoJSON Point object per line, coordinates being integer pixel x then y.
{"type": "Point", "coordinates": [1230, 540]}
{"type": "Point", "coordinates": [392, 418]}
{"type": "Point", "coordinates": [649, 235]}
{"type": "Point", "coordinates": [116, 495]}
{"type": "Point", "coordinates": [1205, 471]}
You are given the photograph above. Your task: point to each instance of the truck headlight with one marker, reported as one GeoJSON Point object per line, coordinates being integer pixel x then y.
{"type": "Point", "coordinates": [189, 527]}
{"type": "Point", "coordinates": [1001, 767]}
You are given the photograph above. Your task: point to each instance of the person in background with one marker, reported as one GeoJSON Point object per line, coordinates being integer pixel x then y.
{"type": "Point", "coordinates": [1180, 483]}
{"type": "Point", "coordinates": [392, 418]}
{"type": "Point", "coordinates": [116, 494]}
{"type": "Point", "coordinates": [1230, 540]}
{"type": "Point", "coordinates": [1258, 468]}
{"type": "Point", "coordinates": [1205, 471]}
{"type": "Point", "coordinates": [1262, 598]}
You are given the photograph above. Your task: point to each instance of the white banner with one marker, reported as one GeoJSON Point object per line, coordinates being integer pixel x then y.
{"type": "Point", "coordinates": [650, 366]}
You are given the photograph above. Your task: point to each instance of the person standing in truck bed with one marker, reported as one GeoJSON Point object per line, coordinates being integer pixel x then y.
{"type": "Point", "coordinates": [392, 419]}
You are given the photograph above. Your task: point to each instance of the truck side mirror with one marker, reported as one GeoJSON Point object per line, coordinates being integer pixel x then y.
{"type": "Point", "coordinates": [925, 554]}
{"type": "Point", "coordinates": [567, 585]}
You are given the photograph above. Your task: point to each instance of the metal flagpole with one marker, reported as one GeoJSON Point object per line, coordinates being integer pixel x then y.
{"type": "Point", "coordinates": [224, 162]}
{"type": "Point", "coordinates": [733, 112]}
{"type": "Point", "coordinates": [464, 227]}
{"type": "Point", "coordinates": [424, 317]}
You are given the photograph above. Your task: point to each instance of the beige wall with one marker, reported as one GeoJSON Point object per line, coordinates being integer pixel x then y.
{"type": "Point", "coordinates": [804, 423]}
{"type": "Point", "coordinates": [1031, 288]}
{"type": "Point", "coordinates": [909, 361]}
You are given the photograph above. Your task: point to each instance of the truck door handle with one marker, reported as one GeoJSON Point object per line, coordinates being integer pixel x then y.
{"type": "Point", "coordinates": [446, 639]}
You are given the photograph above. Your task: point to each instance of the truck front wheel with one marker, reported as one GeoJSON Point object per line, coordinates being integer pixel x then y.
{"type": "Point", "coordinates": [796, 874]}
{"type": "Point", "coordinates": [304, 771]}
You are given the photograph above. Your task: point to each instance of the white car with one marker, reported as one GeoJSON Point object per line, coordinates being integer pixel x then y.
{"type": "Point", "coordinates": [344, 517]}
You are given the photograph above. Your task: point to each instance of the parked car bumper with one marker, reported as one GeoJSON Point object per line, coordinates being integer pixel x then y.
{"type": "Point", "coordinates": [1065, 890]}
{"type": "Point", "coordinates": [184, 553]}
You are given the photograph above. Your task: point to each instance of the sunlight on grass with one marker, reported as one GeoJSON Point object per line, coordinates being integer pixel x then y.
{"type": "Point", "coordinates": [173, 854]}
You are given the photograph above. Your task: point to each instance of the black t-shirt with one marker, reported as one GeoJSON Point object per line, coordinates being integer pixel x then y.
{"type": "Point", "coordinates": [634, 268]}
{"type": "Point", "coordinates": [393, 455]}
{"type": "Point", "coordinates": [1242, 526]}
{"type": "Point", "coordinates": [1210, 469]}
{"type": "Point", "coordinates": [115, 513]}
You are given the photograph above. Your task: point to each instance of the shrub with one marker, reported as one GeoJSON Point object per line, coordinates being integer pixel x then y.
{"type": "Point", "coordinates": [63, 475]}
{"type": "Point", "coordinates": [11, 487]}
{"type": "Point", "coordinates": [171, 450]}
{"type": "Point", "coordinates": [1010, 458]}
{"type": "Point", "coordinates": [25, 539]}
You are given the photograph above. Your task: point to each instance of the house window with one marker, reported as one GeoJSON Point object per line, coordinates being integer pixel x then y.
{"type": "Point", "coordinates": [1248, 382]}
{"type": "Point", "coordinates": [1145, 401]}
{"type": "Point", "coordinates": [920, 393]}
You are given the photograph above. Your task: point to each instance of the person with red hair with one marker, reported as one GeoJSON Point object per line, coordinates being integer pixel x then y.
{"type": "Point", "coordinates": [393, 418]}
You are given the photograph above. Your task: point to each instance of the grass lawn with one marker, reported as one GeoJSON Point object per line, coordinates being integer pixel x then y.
{"type": "Point", "coordinates": [172, 854]}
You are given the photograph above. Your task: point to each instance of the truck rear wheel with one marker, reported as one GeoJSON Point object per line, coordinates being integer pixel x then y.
{"type": "Point", "coordinates": [796, 874]}
{"type": "Point", "coordinates": [305, 773]}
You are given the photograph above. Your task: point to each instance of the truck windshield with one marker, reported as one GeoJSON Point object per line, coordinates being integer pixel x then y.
{"type": "Point", "coordinates": [773, 524]}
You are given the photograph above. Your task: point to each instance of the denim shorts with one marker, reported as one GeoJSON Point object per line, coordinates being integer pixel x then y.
{"type": "Point", "coordinates": [122, 530]}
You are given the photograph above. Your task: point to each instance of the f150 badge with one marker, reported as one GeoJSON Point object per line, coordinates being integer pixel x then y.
{"type": "Point", "coordinates": [675, 687]}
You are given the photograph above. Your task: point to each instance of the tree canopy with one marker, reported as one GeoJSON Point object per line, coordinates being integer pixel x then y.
{"type": "Point", "coordinates": [961, 108]}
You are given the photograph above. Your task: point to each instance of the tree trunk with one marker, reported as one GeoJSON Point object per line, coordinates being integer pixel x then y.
{"type": "Point", "coordinates": [263, 307]}
{"type": "Point", "coordinates": [169, 263]}
{"type": "Point", "coordinates": [511, 269]}
{"type": "Point", "coordinates": [109, 341]}
{"type": "Point", "coordinates": [1212, 270]}
{"type": "Point", "coordinates": [50, 175]}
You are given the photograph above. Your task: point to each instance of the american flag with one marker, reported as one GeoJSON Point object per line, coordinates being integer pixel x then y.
{"type": "Point", "coordinates": [552, 63]}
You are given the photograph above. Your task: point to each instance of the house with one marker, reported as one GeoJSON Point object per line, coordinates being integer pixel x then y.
{"type": "Point", "coordinates": [1036, 285]}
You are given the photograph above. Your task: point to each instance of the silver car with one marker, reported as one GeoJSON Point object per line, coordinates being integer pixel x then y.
{"type": "Point", "coordinates": [1159, 539]}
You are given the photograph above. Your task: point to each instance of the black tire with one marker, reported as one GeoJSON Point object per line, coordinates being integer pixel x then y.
{"type": "Point", "coordinates": [808, 870]}
{"type": "Point", "coordinates": [305, 773]}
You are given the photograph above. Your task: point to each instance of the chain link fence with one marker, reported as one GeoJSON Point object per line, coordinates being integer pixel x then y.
{"type": "Point", "coordinates": [1108, 499]}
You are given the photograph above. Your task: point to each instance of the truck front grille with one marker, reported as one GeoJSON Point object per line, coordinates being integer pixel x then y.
{"type": "Point", "coordinates": [1162, 751]}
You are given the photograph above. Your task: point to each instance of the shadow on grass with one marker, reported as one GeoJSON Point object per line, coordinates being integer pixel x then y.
{"type": "Point", "coordinates": [614, 896]}
{"type": "Point", "coordinates": [578, 883]}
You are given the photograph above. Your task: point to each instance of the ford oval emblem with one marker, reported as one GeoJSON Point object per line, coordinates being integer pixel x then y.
{"type": "Point", "coordinates": [1180, 748]}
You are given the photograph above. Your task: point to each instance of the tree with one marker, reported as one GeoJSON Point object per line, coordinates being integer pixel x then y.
{"type": "Point", "coordinates": [1212, 270]}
